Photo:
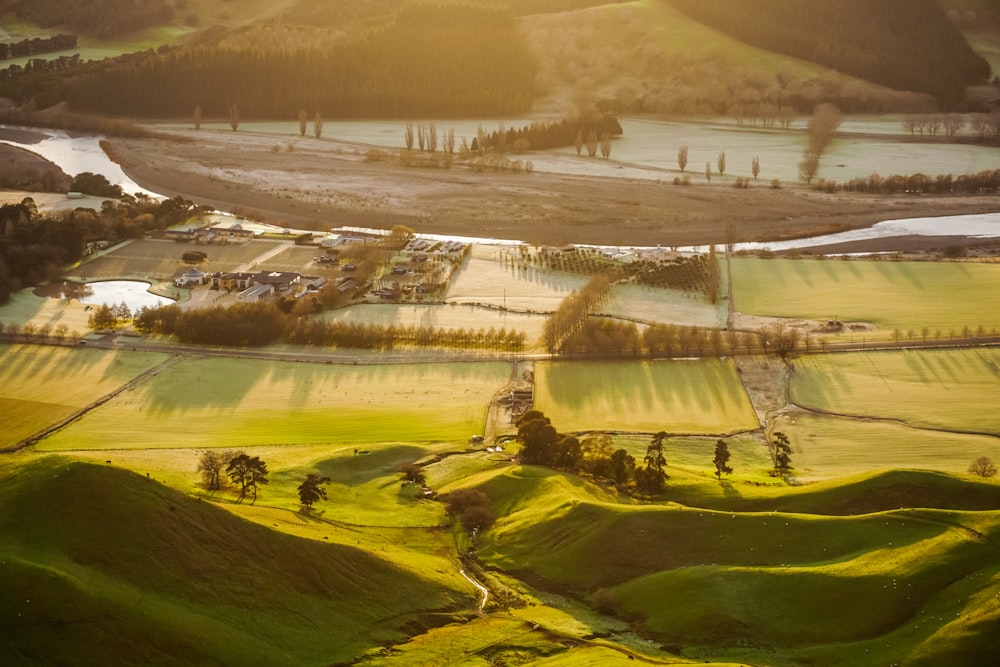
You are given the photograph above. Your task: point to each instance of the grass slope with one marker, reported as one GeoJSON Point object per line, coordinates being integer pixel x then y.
{"type": "Point", "coordinates": [126, 571]}
{"type": "Point", "coordinates": [778, 585]}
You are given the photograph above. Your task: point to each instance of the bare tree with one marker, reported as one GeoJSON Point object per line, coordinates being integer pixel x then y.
{"type": "Point", "coordinates": [953, 123]}
{"type": "Point", "coordinates": [682, 157]}
{"type": "Point", "coordinates": [755, 167]}
{"type": "Point", "coordinates": [408, 136]}
{"type": "Point", "coordinates": [708, 172]}
{"type": "Point", "coordinates": [197, 117]}
{"type": "Point", "coordinates": [318, 125]}
{"type": "Point", "coordinates": [578, 142]}
{"type": "Point", "coordinates": [721, 162]}
{"type": "Point", "coordinates": [605, 145]}
{"type": "Point", "coordinates": [234, 117]}
{"type": "Point", "coordinates": [432, 138]}
{"type": "Point", "coordinates": [983, 466]}
{"type": "Point", "coordinates": [302, 122]}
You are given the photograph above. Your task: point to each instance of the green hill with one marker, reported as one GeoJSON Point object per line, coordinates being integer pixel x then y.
{"type": "Point", "coordinates": [775, 578]}
{"type": "Point", "coordinates": [903, 44]}
{"type": "Point", "coordinates": [101, 566]}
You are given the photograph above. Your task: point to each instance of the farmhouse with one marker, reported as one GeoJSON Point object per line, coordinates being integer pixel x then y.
{"type": "Point", "coordinates": [231, 280]}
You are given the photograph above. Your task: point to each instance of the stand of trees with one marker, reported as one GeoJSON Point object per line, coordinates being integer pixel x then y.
{"type": "Point", "coordinates": [454, 59]}
{"type": "Point", "coordinates": [35, 45]}
{"type": "Point", "coordinates": [259, 324]}
{"type": "Point", "coordinates": [571, 316]}
{"type": "Point", "coordinates": [35, 248]}
{"type": "Point", "coordinates": [904, 44]}
{"type": "Point", "coordinates": [984, 182]}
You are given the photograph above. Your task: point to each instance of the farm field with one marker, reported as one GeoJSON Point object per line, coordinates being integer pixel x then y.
{"type": "Point", "coordinates": [42, 385]}
{"type": "Point", "coordinates": [664, 306]}
{"type": "Point", "coordinates": [154, 259]}
{"type": "Point", "coordinates": [941, 296]}
{"type": "Point", "coordinates": [26, 306]}
{"type": "Point", "coordinates": [693, 397]}
{"type": "Point", "coordinates": [452, 316]}
{"type": "Point", "coordinates": [829, 447]}
{"type": "Point", "coordinates": [296, 259]}
{"type": "Point", "coordinates": [951, 390]}
{"type": "Point", "coordinates": [240, 404]}
{"type": "Point", "coordinates": [485, 279]}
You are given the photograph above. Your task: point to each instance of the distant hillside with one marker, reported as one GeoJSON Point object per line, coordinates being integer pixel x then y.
{"type": "Point", "coordinates": [449, 60]}
{"type": "Point", "coordinates": [103, 566]}
{"type": "Point", "coordinates": [102, 18]}
{"type": "Point", "coordinates": [903, 44]}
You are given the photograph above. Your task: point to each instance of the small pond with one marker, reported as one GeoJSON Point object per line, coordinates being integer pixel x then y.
{"type": "Point", "coordinates": [133, 293]}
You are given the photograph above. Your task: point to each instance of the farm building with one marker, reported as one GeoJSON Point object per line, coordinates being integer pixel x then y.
{"type": "Point", "coordinates": [282, 281]}
{"type": "Point", "coordinates": [231, 280]}
{"type": "Point", "coordinates": [234, 229]}
{"type": "Point", "coordinates": [256, 293]}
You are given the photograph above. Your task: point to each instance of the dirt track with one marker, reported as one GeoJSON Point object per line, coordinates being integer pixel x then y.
{"type": "Point", "coordinates": [325, 184]}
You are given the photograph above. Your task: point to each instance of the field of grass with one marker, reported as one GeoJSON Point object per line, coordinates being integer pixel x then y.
{"type": "Point", "coordinates": [949, 390]}
{"type": "Point", "coordinates": [25, 306]}
{"type": "Point", "coordinates": [663, 306]}
{"type": "Point", "coordinates": [244, 403]}
{"type": "Point", "coordinates": [180, 585]}
{"type": "Point", "coordinates": [41, 385]}
{"type": "Point", "coordinates": [485, 278]}
{"type": "Point", "coordinates": [826, 446]}
{"type": "Point", "coordinates": [161, 260]}
{"type": "Point", "coordinates": [438, 316]}
{"type": "Point", "coordinates": [769, 587]}
{"type": "Point", "coordinates": [297, 259]}
{"type": "Point", "coordinates": [695, 397]}
{"type": "Point", "coordinates": [944, 297]}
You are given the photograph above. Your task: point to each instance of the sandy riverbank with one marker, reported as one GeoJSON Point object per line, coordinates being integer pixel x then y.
{"type": "Point", "coordinates": [321, 184]}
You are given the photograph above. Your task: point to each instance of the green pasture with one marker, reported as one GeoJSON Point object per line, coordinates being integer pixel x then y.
{"type": "Point", "coordinates": [26, 306]}
{"type": "Point", "coordinates": [950, 390]}
{"type": "Point", "coordinates": [155, 259]}
{"type": "Point", "coordinates": [828, 446]}
{"type": "Point", "coordinates": [756, 584]}
{"type": "Point", "coordinates": [40, 385]}
{"type": "Point", "coordinates": [295, 601]}
{"type": "Point", "coordinates": [238, 403]}
{"type": "Point", "coordinates": [943, 297]}
{"type": "Point", "coordinates": [677, 396]}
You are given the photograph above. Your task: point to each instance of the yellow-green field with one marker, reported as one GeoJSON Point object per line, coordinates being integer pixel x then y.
{"type": "Point", "coordinates": [941, 296]}
{"type": "Point", "coordinates": [202, 403]}
{"type": "Point", "coordinates": [694, 397]}
{"type": "Point", "coordinates": [952, 390]}
{"type": "Point", "coordinates": [828, 447]}
{"type": "Point", "coordinates": [42, 385]}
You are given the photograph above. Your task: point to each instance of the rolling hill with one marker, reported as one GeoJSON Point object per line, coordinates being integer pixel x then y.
{"type": "Point", "coordinates": [127, 571]}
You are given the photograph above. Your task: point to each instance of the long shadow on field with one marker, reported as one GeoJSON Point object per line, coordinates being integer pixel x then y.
{"type": "Point", "coordinates": [364, 466]}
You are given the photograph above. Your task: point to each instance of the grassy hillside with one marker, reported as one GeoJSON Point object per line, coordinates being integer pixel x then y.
{"type": "Point", "coordinates": [773, 577]}
{"type": "Point", "coordinates": [130, 572]}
